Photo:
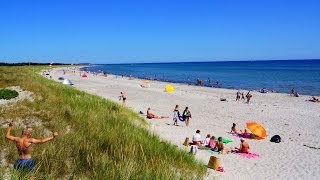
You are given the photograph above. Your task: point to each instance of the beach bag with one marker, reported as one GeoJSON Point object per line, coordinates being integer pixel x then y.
{"type": "Point", "coordinates": [214, 162]}
{"type": "Point", "coordinates": [275, 139]}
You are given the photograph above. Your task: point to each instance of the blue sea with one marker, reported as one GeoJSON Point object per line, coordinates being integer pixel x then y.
{"type": "Point", "coordinates": [281, 76]}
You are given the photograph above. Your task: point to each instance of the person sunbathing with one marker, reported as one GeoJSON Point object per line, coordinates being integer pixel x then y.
{"type": "Point", "coordinates": [314, 99]}
{"type": "Point", "coordinates": [152, 116]}
{"type": "Point", "coordinates": [246, 134]}
{"type": "Point", "coordinates": [244, 147]}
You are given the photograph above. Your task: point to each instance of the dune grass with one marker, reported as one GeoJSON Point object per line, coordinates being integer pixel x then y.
{"type": "Point", "coordinates": [98, 139]}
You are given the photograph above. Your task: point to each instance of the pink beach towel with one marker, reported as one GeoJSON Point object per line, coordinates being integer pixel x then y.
{"type": "Point", "coordinates": [249, 155]}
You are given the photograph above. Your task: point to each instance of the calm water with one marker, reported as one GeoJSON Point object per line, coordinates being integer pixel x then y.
{"type": "Point", "coordinates": [282, 76]}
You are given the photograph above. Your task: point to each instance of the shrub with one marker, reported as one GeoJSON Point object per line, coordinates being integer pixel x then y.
{"type": "Point", "coordinates": [8, 94]}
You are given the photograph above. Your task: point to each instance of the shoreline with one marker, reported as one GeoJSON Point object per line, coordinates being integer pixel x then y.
{"type": "Point", "coordinates": [294, 119]}
{"type": "Point", "coordinates": [193, 84]}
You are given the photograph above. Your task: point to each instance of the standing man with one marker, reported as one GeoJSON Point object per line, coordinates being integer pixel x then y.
{"type": "Point", "coordinates": [23, 144]}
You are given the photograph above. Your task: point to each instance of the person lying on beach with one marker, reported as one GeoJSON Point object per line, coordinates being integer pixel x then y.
{"type": "Point", "coordinates": [152, 116]}
{"type": "Point", "coordinates": [314, 99]}
{"type": "Point", "coordinates": [25, 162]}
{"type": "Point", "coordinates": [244, 147]}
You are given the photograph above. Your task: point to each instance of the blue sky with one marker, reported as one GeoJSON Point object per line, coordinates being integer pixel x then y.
{"type": "Point", "coordinates": [74, 31]}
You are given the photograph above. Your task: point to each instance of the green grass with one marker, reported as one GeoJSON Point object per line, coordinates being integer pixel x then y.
{"type": "Point", "coordinates": [98, 139]}
{"type": "Point", "coordinates": [8, 94]}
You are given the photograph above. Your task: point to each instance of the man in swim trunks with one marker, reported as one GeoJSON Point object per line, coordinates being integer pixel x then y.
{"type": "Point", "coordinates": [123, 97]}
{"type": "Point", "coordinates": [23, 144]}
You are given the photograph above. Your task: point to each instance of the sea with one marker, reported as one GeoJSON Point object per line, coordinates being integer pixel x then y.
{"type": "Point", "coordinates": [277, 75]}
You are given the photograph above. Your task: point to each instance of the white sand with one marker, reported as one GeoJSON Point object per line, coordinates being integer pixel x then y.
{"type": "Point", "coordinates": [297, 121]}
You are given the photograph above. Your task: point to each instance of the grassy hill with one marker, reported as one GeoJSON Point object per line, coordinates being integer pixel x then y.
{"type": "Point", "coordinates": [98, 139]}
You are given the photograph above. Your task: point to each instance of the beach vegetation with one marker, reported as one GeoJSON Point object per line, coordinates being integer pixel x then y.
{"type": "Point", "coordinates": [8, 94]}
{"type": "Point", "coordinates": [98, 138]}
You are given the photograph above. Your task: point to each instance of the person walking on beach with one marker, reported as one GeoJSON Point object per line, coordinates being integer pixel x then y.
{"type": "Point", "coordinates": [25, 162]}
{"type": "Point", "coordinates": [248, 96]}
{"type": "Point", "coordinates": [217, 84]}
{"type": "Point", "coordinates": [242, 96]}
{"type": "Point", "coordinates": [176, 115]}
{"type": "Point", "coordinates": [123, 97]}
{"type": "Point", "coordinates": [186, 115]}
{"type": "Point", "coordinates": [238, 96]}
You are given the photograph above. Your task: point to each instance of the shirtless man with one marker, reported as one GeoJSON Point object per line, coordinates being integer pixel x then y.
{"type": "Point", "coordinates": [152, 116]}
{"type": "Point", "coordinates": [123, 97]}
{"type": "Point", "coordinates": [23, 144]}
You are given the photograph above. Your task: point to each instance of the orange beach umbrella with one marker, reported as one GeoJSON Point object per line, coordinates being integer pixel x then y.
{"type": "Point", "coordinates": [257, 129]}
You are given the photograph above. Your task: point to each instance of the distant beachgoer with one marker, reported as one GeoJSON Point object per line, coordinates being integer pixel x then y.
{"type": "Point", "coordinates": [186, 115]}
{"type": "Point", "coordinates": [123, 97]}
{"type": "Point", "coordinates": [314, 99]}
{"type": "Point", "coordinates": [248, 96]}
{"type": "Point", "coordinates": [244, 147]}
{"type": "Point", "coordinates": [25, 162]}
{"type": "Point", "coordinates": [238, 96]}
{"type": "Point", "coordinates": [292, 91]}
{"type": "Point", "coordinates": [296, 94]}
{"type": "Point", "coordinates": [217, 84]}
{"type": "Point", "coordinates": [152, 116]}
{"type": "Point", "coordinates": [242, 96]}
{"type": "Point", "coordinates": [207, 140]}
{"type": "Point", "coordinates": [209, 81]}
{"type": "Point", "coordinates": [176, 115]}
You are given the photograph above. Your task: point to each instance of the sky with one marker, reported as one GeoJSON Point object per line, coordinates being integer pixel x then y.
{"type": "Point", "coordinates": [119, 31]}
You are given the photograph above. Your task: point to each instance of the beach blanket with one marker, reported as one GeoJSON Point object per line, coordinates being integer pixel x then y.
{"type": "Point", "coordinates": [248, 155]}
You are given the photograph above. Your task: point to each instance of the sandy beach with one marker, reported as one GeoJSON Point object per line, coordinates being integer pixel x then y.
{"type": "Point", "coordinates": [296, 120]}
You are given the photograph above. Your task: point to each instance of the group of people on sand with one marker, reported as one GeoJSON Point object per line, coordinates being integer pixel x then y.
{"type": "Point", "coordinates": [248, 96]}
{"type": "Point", "coordinates": [186, 115]}
{"type": "Point", "coordinates": [211, 143]}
